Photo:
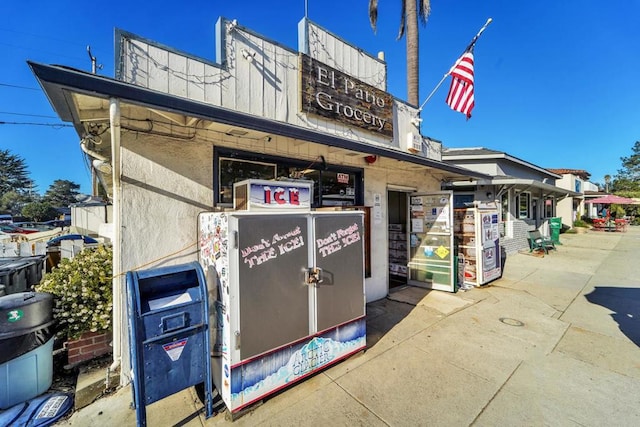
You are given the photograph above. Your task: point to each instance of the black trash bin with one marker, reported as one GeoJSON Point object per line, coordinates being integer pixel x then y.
{"type": "Point", "coordinates": [26, 346]}
{"type": "Point", "coordinates": [14, 273]}
{"type": "Point", "coordinates": [35, 269]}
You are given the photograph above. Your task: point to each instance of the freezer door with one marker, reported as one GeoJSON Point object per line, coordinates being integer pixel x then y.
{"type": "Point", "coordinates": [273, 296]}
{"type": "Point", "coordinates": [431, 240]}
{"type": "Point", "coordinates": [339, 254]}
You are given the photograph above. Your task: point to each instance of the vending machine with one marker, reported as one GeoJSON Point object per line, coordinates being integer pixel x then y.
{"type": "Point", "coordinates": [477, 243]}
{"type": "Point", "coordinates": [286, 288]}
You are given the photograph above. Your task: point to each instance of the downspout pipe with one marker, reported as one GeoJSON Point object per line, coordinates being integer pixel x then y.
{"type": "Point", "coordinates": [83, 146]}
{"type": "Point", "coordinates": [117, 281]}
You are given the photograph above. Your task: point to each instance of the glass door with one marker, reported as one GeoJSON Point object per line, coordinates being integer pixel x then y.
{"type": "Point", "coordinates": [431, 240]}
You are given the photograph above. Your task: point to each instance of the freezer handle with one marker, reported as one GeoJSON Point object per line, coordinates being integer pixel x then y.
{"type": "Point", "coordinates": [313, 276]}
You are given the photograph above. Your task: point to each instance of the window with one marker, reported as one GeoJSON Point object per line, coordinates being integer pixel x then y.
{"type": "Point", "coordinates": [504, 206]}
{"type": "Point", "coordinates": [333, 185]}
{"type": "Point", "coordinates": [463, 200]}
{"type": "Point", "coordinates": [548, 207]}
{"type": "Point", "coordinates": [338, 189]}
{"type": "Point", "coordinates": [231, 171]}
{"type": "Point", "coordinates": [523, 205]}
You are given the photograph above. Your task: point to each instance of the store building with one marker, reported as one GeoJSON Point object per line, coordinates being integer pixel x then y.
{"type": "Point", "coordinates": [526, 194]}
{"type": "Point", "coordinates": [171, 133]}
{"type": "Point", "coordinates": [573, 207]}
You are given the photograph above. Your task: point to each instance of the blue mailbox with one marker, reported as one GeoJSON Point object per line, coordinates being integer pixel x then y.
{"type": "Point", "coordinates": [169, 334]}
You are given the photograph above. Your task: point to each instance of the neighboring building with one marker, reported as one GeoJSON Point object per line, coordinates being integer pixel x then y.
{"type": "Point", "coordinates": [592, 191]}
{"type": "Point", "coordinates": [526, 194]}
{"type": "Point", "coordinates": [572, 208]}
{"type": "Point", "coordinates": [92, 216]}
{"type": "Point", "coordinates": [172, 133]}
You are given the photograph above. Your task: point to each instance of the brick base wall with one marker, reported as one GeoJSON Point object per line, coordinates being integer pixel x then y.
{"type": "Point", "coordinates": [519, 241]}
{"type": "Point", "coordinates": [89, 346]}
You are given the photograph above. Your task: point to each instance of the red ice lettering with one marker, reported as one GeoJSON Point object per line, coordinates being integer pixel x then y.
{"type": "Point", "coordinates": [281, 196]}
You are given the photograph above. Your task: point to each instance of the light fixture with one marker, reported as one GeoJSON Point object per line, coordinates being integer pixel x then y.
{"type": "Point", "coordinates": [102, 166]}
{"type": "Point", "coordinates": [267, 138]}
{"type": "Point", "coordinates": [249, 56]}
{"type": "Point", "coordinates": [489, 194]}
{"type": "Point", "coordinates": [416, 121]}
{"type": "Point", "coordinates": [371, 159]}
{"type": "Point", "coordinates": [236, 132]}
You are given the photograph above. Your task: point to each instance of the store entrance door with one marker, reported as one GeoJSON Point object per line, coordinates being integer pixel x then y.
{"type": "Point", "coordinates": [431, 241]}
{"type": "Point", "coordinates": [397, 237]}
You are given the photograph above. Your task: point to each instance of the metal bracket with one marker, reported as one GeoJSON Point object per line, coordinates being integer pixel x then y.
{"type": "Point", "coordinates": [313, 276]}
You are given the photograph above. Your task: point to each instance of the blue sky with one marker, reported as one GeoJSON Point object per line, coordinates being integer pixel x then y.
{"type": "Point", "coordinates": [556, 82]}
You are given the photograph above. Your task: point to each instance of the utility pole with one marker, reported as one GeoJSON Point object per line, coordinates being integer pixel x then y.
{"type": "Point", "coordinates": [93, 61]}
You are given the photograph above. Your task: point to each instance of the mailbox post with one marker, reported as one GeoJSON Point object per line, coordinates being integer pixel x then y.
{"type": "Point", "coordinates": [169, 334]}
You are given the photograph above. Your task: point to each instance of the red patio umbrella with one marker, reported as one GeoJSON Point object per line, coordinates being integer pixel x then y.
{"type": "Point", "coordinates": [611, 198]}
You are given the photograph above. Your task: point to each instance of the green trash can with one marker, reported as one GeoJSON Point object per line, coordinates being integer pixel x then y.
{"type": "Point", "coordinates": [555, 224]}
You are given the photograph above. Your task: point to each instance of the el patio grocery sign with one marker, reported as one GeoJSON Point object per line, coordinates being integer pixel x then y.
{"type": "Point", "coordinates": [330, 93]}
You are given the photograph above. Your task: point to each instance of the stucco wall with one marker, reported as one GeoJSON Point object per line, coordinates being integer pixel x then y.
{"type": "Point", "coordinates": [165, 184]}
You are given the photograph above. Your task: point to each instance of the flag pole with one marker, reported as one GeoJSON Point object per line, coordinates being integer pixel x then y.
{"type": "Point", "coordinates": [473, 41]}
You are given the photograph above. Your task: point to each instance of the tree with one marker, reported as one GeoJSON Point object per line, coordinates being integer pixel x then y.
{"type": "Point", "coordinates": [39, 211]}
{"type": "Point", "coordinates": [607, 181]}
{"type": "Point", "coordinates": [62, 193]}
{"type": "Point", "coordinates": [628, 178]}
{"type": "Point", "coordinates": [411, 11]}
{"type": "Point", "coordinates": [13, 174]}
{"type": "Point", "coordinates": [12, 202]}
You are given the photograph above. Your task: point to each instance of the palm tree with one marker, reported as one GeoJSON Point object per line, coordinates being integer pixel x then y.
{"type": "Point", "coordinates": [412, 10]}
{"type": "Point", "coordinates": [607, 180]}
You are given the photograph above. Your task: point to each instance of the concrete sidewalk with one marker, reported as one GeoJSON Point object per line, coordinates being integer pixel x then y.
{"type": "Point", "coordinates": [555, 342]}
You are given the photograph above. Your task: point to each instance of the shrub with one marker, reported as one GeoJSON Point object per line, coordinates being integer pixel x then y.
{"type": "Point", "coordinates": [580, 223]}
{"type": "Point", "coordinates": [82, 292]}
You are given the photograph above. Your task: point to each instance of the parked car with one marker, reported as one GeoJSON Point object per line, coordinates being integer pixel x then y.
{"type": "Point", "coordinates": [37, 226]}
{"type": "Point", "coordinates": [12, 229]}
{"type": "Point", "coordinates": [58, 223]}
{"type": "Point", "coordinates": [88, 240]}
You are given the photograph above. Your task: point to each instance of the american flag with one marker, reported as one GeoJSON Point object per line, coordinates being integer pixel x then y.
{"type": "Point", "coordinates": [460, 97]}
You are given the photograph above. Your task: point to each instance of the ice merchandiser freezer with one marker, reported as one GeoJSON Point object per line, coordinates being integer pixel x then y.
{"type": "Point", "coordinates": [287, 296]}
{"type": "Point", "coordinates": [477, 241]}
{"type": "Point", "coordinates": [430, 241]}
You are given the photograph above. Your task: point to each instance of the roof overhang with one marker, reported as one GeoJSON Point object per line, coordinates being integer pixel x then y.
{"type": "Point", "coordinates": [450, 156]}
{"type": "Point", "coordinates": [523, 184]}
{"type": "Point", "coordinates": [61, 83]}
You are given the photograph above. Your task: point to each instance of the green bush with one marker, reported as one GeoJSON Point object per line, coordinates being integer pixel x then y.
{"type": "Point", "coordinates": [580, 223]}
{"type": "Point", "coordinates": [82, 292]}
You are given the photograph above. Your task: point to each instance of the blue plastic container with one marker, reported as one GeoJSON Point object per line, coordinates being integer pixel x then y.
{"type": "Point", "coordinates": [27, 376]}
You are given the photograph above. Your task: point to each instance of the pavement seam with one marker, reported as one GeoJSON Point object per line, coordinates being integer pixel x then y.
{"type": "Point", "coordinates": [496, 393]}
{"type": "Point", "coordinates": [361, 404]}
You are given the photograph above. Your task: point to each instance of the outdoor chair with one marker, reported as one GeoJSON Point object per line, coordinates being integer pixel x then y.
{"type": "Point", "coordinates": [539, 242]}
{"type": "Point", "coordinates": [599, 224]}
{"type": "Point", "coordinates": [621, 225]}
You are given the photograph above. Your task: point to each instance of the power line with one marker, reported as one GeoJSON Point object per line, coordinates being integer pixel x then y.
{"type": "Point", "coordinates": [19, 87]}
{"type": "Point", "coordinates": [53, 125]}
{"type": "Point", "coordinates": [29, 115]}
